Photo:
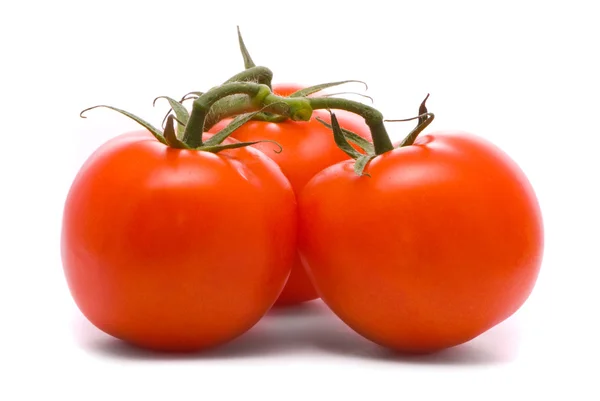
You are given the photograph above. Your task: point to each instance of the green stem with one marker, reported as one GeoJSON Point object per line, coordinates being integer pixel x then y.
{"type": "Point", "coordinates": [241, 104]}
{"type": "Point", "coordinates": [258, 96]}
{"type": "Point", "coordinates": [261, 75]}
{"type": "Point", "coordinates": [225, 108]}
{"type": "Point", "coordinates": [254, 97]}
{"type": "Point", "coordinates": [373, 118]}
{"type": "Point", "coordinates": [195, 126]}
{"type": "Point", "coordinates": [270, 118]}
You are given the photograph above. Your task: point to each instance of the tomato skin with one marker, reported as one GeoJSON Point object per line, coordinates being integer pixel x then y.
{"type": "Point", "coordinates": [441, 243]}
{"type": "Point", "coordinates": [159, 249]}
{"type": "Point", "coordinates": [308, 148]}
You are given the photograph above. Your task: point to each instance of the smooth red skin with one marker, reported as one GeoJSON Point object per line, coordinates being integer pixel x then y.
{"type": "Point", "coordinates": [441, 243]}
{"type": "Point", "coordinates": [308, 148]}
{"type": "Point", "coordinates": [177, 250]}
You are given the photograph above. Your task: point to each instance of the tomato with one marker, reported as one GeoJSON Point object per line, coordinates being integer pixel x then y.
{"type": "Point", "coordinates": [175, 249]}
{"type": "Point", "coordinates": [308, 148]}
{"type": "Point", "coordinates": [442, 241]}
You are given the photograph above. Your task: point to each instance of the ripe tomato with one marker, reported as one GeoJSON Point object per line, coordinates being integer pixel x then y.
{"type": "Point", "coordinates": [443, 241]}
{"type": "Point", "coordinates": [176, 249]}
{"type": "Point", "coordinates": [308, 147]}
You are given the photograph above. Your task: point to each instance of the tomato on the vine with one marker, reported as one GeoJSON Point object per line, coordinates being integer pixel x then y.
{"type": "Point", "coordinates": [177, 249]}
{"type": "Point", "coordinates": [308, 148]}
{"type": "Point", "coordinates": [438, 242]}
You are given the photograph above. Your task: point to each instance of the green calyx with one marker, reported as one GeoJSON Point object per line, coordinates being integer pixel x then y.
{"type": "Point", "coordinates": [248, 63]}
{"type": "Point", "coordinates": [424, 119]}
{"type": "Point", "coordinates": [343, 138]}
{"type": "Point", "coordinates": [381, 142]}
{"type": "Point", "coordinates": [173, 138]}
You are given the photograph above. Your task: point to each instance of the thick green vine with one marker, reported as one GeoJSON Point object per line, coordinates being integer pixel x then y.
{"type": "Point", "coordinates": [253, 99]}
{"type": "Point", "coordinates": [248, 95]}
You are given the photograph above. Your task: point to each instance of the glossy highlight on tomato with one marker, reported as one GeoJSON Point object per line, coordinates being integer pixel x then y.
{"type": "Point", "coordinates": [441, 241]}
{"type": "Point", "coordinates": [174, 249]}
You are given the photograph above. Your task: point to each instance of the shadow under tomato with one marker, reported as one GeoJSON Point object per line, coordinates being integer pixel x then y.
{"type": "Point", "coordinates": [310, 329]}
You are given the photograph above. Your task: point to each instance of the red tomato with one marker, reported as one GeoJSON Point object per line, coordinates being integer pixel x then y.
{"type": "Point", "coordinates": [308, 147]}
{"type": "Point", "coordinates": [443, 241]}
{"type": "Point", "coordinates": [176, 249]}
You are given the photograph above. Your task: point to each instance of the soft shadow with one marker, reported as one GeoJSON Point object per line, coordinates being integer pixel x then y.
{"type": "Point", "coordinates": [497, 346]}
{"type": "Point", "coordinates": [310, 329]}
{"type": "Point", "coordinates": [283, 331]}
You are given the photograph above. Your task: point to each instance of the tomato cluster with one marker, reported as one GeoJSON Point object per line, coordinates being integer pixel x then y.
{"type": "Point", "coordinates": [184, 239]}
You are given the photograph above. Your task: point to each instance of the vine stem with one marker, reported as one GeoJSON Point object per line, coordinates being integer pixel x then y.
{"type": "Point", "coordinates": [373, 118]}
{"type": "Point", "coordinates": [261, 75]}
{"type": "Point", "coordinates": [251, 97]}
{"type": "Point", "coordinates": [258, 97]}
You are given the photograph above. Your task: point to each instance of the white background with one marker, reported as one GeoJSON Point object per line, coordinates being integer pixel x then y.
{"type": "Point", "coordinates": [523, 74]}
